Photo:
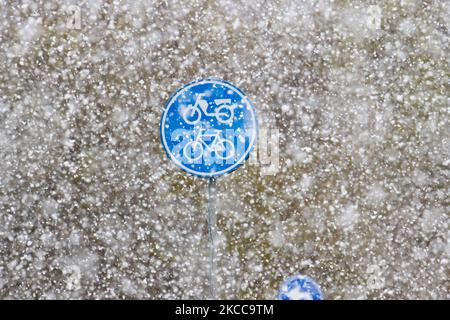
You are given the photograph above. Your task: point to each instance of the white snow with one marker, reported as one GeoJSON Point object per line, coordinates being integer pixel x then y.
{"type": "Point", "coordinates": [91, 207]}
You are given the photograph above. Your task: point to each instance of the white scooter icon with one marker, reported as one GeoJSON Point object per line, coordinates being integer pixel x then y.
{"type": "Point", "coordinates": [224, 112]}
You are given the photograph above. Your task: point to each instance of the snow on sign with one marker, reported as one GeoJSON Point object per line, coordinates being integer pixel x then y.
{"type": "Point", "coordinates": [299, 288]}
{"type": "Point", "coordinates": [208, 127]}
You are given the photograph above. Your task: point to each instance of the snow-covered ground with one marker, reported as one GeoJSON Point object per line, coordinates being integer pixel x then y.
{"type": "Point", "coordinates": [91, 207]}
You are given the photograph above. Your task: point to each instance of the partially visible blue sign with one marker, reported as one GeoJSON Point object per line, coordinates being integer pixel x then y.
{"type": "Point", "coordinates": [208, 127]}
{"type": "Point", "coordinates": [300, 288]}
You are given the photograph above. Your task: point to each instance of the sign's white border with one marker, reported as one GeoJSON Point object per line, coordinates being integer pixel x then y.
{"type": "Point", "coordinates": [237, 163]}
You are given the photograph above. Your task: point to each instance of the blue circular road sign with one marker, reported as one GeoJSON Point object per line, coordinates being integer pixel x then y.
{"type": "Point", "coordinates": [208, 127]}
{"type": "Point", "coordinates": [300, 288]}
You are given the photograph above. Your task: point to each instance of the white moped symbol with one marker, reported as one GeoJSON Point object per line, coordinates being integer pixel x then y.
{"type": "Point", "coordinates": [223, 148]}
{"type": "Point", "coordinates": [224, 112]}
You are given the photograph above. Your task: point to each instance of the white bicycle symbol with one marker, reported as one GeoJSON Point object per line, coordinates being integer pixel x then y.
{"type": "Point", "coordinates": [223, 148]}
{"type": "Point", "coordinates": [224, 112]}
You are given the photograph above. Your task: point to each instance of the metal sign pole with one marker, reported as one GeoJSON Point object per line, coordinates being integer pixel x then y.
{"type": "Point", "coordinates": [211, 234]}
